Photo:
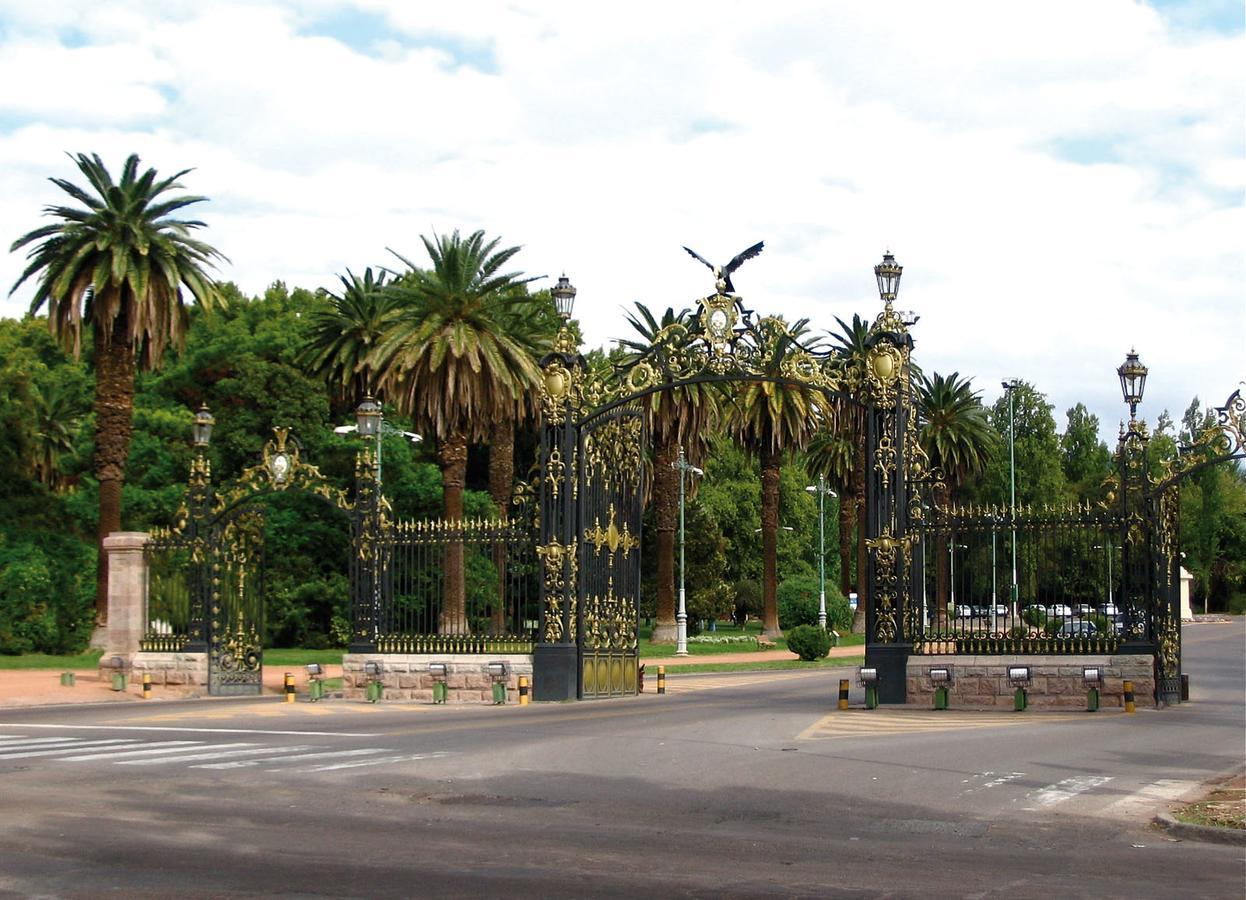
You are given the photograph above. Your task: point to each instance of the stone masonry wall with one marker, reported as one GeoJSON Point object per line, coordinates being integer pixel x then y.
{"type": "Point", "coordinates": [164, 668]}
{"type": "Point", "coordinates": [982, 681]}
{"type": "Point", "coordinates": [405, 676]}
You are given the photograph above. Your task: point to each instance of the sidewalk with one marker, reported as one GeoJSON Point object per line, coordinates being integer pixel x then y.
{"type": "Point", "coordinates": [40, 687]}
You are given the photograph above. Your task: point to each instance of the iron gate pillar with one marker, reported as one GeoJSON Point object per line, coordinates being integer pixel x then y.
{"type": "Point", "coordinates": [892, 661]}
{"type": "Point", "coordinates": [555, 672]}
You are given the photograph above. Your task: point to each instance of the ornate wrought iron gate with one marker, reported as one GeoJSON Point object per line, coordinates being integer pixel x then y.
{"type": "Point", "coordinates": [610, 490]}
{"type": "Point", "coordinates": [235, 623]}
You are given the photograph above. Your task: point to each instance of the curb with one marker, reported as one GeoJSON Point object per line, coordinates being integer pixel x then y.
{"type": "Point", "coordinates": [1231, 836]}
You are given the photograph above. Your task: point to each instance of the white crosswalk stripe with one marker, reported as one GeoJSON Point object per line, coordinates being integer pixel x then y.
{"type": "Point", "coordinates": [61, 750]}
{"type": "Point", "coordinates": [216, 753]}
{"type": "Point", "coordinates": [151, 749]}
{"type": "Point", "coordinates": [192, 754]}
{"type": "Point", "coordinates": [319, 754]}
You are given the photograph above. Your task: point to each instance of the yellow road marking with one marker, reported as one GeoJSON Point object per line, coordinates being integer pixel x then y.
{"type": "Point", "coordinates": [864, 723]}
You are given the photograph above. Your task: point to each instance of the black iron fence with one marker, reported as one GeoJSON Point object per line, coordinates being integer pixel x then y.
{"type": "Point", "coordinates": [169, 587]}
{"type": "Point", "coordinates": [457, 586]}
{"type": "Point", "coordinates": [1042, 581]}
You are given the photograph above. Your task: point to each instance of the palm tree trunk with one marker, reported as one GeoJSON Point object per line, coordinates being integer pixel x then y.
{"type": "Point", "coordinates": [114, 423]}
{"type": "Point", "coordinates": [666, 515]}
{"type": "Point", "coordinates": [501, 474]}
{"type": "Point", "coordinates": [452, 455]}
{"type": "Point", "coordinates": [770, 465]}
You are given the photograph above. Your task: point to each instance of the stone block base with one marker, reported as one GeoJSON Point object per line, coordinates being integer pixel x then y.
{"type": "Point", "coordinates": [406, 676]}
{"type": "Point", "coordinates": [981, 682]}
{"type": "Point", "coordinates": [187, 669]}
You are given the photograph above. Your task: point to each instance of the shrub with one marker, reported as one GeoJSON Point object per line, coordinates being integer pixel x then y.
{"type": "Point", "coordinates": [809, 642]}
{"type": "Point", "coordinates": [798, 602]}
{"type": "Point", "coordinates": [1034, 616]}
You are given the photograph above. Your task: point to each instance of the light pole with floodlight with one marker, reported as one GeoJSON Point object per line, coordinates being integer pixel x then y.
{"type": "Point", "coordinates": [823, 492]}
{"type": "Point", "coordinates": [1010, 386]}
{"type": "Point", "coordinates": [681, 618]}
{"type": "Point", "coordinates": [370, 423]}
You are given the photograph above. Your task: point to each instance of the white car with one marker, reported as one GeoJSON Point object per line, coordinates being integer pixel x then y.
{"type": "Point", "coordinates": [1059, 611]}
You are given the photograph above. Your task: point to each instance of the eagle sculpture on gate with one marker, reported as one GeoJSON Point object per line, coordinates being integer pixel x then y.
{"type": "Point", "coordinates": [722, 274]}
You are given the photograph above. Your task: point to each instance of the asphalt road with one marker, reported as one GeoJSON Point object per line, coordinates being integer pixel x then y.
{"type": "Point", "coordinates": [736, 784]}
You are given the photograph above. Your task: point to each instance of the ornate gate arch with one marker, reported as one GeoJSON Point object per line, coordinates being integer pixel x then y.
{"type": "Point", "coordinates": [218, 538]}
{"type": "Point", "coordinates": [593, 449]}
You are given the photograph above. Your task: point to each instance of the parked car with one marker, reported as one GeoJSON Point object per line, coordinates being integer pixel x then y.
{"type": "Point", "coordinates": [1077, 629]}
{"type": "Point", "coordinates": [1058, 611]}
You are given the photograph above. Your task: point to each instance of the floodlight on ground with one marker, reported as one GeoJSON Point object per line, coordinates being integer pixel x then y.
{"type": "Point", "coordinates": [496, 669]}
{"type": "Point", "coordinates": [314, 669]}
{"type": "Point", "coordinates": [1019, 676]}
{"type": "Point", "coordinates": [1092, 676]}
{"type": "Point", "coordinates": [437, 669]}
{"type": "Point", "coordinates": [941, 675]}
{"type": "Point", "coordinates": [868, 676]}
{"type": "Point", "coordinates": [372, 669]}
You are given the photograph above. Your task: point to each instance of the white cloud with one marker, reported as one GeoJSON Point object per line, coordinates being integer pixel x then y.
{"type": "Point", "coordinates": [1059, 179]}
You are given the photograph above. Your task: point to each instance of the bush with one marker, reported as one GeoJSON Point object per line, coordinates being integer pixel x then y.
{"type": "Point", "coordinates": [747, 599]}
{"type": "Point", "coordinates": [1034, 616]}
{"type": "Point", "coordinates": [47, 597]}
{"type": "Point", "coordinates": [798, 602]}
{"type": "Point", "coordinates": [809, 642]}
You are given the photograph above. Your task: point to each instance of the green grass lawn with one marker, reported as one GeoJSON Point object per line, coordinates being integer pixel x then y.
{"type": "Point", "coordinates": [285, 656]}
{"type": "Point", "coordinates": [88, 660]}
{"type": "Point", "coordinates": [650, 650]}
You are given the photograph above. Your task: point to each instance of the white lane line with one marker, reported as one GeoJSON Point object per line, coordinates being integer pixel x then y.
{"type": "Point", "coordinates": [31, 754]}
{"type": "Point", "coordinates": [1064, 790]}
{"type": "Point", "coordinates": [198, 730]}
{"type": "Point", "coordinates": [246, 763]}
{"type": "Point", "coordinates": [161, 747]}
{"type": "Point", "coordinates": [375, 762]}
{"type": "Point", "coordinates": [214, 755]}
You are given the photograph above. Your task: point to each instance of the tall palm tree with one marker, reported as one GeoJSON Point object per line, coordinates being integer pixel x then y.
{"type": "Point", "coordinates": [770, 419]}
{"type": "Point", "coordinates": [677, 418]}
{"type": "Point", "coordinates": [450, 363]}
{"type": "Point", "coordinates": [958, 438]}
{"type": "Point", "coordinates": [850, 343]}
{"type": "Point", "coordinates": [57, 414]}
{"type": "Point", "coordinates": [343, 335]}
{"type": "Point", "coordinates": [118, 263]}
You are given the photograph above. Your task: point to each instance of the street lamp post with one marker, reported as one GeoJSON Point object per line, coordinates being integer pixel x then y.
{"type": "Point", "coordinates": [1010, 385]}
{"type": "Point", "coordinates": [823, 492]}
{"type": "Point", "coordinates": [681, 618]}
{"type": "Point", "coordinates": [951, 553]}
{"type": "Point", "coordinates": [1107, 552]}
{"type": "Point", "coordinates": [370, 423]}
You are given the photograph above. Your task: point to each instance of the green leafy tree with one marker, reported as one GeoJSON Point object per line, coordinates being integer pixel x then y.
{"type": "Point", "coordinates": [344, 334]}
{"type": "Point", "coordinates": [1086, 460]}
{"type": "Point", "coordinates": [118, 263]}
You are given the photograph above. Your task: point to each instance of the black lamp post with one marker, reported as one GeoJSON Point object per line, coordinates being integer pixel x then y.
{"type": "Point", "coordinates": [888, 274]}
{"type": "Point", "coordinates": [201, 430]}
{"type": "Point", "coordinates": [1133, 381]}
{"type": "Point", "coordinates": [564, 297]}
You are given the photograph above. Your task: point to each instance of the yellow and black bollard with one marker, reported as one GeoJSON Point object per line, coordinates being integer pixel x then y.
{"type": "Point", "coordinates": [1129, 698]}
{"type": "Point", "coordinates": [661, 679]}
{"type": "Point", "coordinates": [843, 693]}
{"type": "Point", "coordinates": [523, 690]}
{"type": "Point", "coordinates": [289, 687]}
{"type": "Point", "coordinates": [146, 685]}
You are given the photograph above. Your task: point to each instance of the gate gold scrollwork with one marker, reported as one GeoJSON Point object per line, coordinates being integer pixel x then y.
{"type": "Point", "coordinates": [553, 556]}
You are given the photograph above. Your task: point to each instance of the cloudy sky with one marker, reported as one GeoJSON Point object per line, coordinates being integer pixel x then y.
{"type": "Point", "coordinates": [1060, 180]}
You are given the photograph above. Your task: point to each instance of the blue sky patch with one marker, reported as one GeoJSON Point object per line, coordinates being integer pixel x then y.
{"type": "Point", "coordinates": [1086, 151]}
{"type": "Point", "coordinates": [1226, 17]}
{"type": "Point", "coordinates": [364, 32]}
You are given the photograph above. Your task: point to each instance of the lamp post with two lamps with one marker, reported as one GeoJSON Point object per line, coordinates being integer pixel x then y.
{"type": "Point", "coordinates": [681, 618]}
{"type": "Point", "coordinates": [823, 492]}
